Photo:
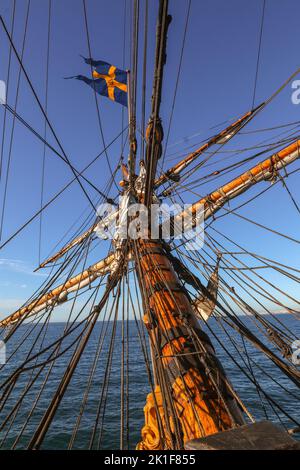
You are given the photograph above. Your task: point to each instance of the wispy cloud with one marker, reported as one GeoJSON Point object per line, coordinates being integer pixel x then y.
{"type": "Point", "coordinates": [18, 266]}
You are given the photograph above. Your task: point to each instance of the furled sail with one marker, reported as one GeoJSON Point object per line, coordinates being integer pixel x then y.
{"type": "Point", "coordinates": [60, 293]}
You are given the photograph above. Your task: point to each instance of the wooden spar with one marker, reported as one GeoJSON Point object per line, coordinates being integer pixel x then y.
{"type": "Point", "coordinates": [227, 133]}
{"type": "Point", "coordinates": [68, 247]}
{"type": "Point", "coordinates": [214, 201]}
{"type": "Point", "coordinates": [169, 320]}
{"type": "Point", "coordinates": [264, 170]}
{"type": "Point", "coordinates": [59, 294]}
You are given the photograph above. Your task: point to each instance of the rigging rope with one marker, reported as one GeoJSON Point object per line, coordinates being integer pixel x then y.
{"type": "Point", "coordinates": [45, 130]}
{"type": "Point", "coordinates": [13, 123]}
{"type": "Point", "coordinates": [43, 111]}
{"type": "Point", "coordinates": [20, 229]}
{"type": "Point", "coordinates": [7, 87]}
{"type": "Point", "coordinates": [123, 67]}
{"type": "Point", "coordinates": [95, 94]}
{"type": "Point", "coordinates": [177, 79]}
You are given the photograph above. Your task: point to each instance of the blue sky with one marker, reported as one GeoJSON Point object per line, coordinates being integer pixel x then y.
{"type": "Point", "coordinates": [216, 84]}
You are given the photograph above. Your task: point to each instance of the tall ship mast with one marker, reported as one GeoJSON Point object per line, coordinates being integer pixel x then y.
{"type": "Point", "coordinates": [164, 280]}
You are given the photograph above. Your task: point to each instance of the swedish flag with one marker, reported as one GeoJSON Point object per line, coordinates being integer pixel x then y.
{"type": "Point", "coordinates": [107, 80]}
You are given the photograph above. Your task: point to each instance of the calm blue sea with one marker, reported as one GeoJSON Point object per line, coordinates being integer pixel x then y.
{"type": "Point", "coordinates": [59, 433]}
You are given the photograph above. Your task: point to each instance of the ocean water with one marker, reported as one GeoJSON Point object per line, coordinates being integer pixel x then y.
{"type": "Point", "coordinates": [60, 431]}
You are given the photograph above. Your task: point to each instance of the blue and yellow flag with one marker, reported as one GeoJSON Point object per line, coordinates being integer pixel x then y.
{"type": "Point", "coordinates": [107, 80]}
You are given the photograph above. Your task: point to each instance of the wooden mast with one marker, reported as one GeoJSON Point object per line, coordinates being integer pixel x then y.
{"type": "Point", "coordinates": [192, 397]}
{"type": "Point", "coordinates": [266, 170]}
{"type": "Point", "coordinates": [262, 171]}
{"type": "Point", "coordinates": [224, 136]}
{"type": "Point", "coordinates": [189, 371]}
